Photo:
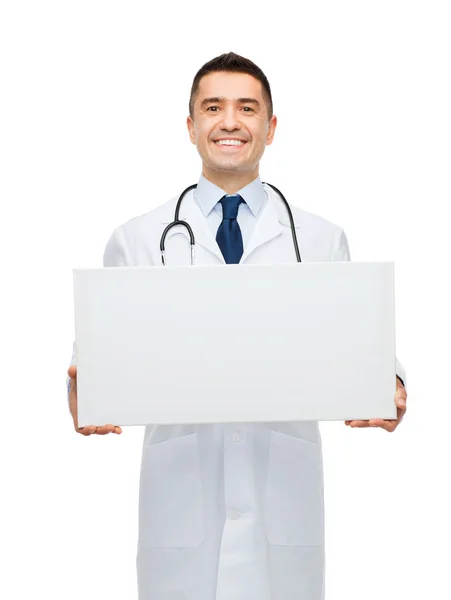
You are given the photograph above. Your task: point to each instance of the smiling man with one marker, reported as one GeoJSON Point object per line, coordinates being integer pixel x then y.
{"type": "Point", "coordinates": [230, 511]}
{"type": "Point", "coordinates": [230, 122]}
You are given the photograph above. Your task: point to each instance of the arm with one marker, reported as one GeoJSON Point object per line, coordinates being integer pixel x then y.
{"type": "Point", "coordinates": [341, 252]}
{"type": "Point", "coordinates": [115, 255]}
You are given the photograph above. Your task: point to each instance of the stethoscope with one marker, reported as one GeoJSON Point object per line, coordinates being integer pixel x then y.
{"type": "Point", "coordinates": [177, 221]}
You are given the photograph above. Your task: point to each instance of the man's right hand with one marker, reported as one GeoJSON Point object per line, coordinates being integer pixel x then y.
{"type": "Point", "coordinates": [87, 429]}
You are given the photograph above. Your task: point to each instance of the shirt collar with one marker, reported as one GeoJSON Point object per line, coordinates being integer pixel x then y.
{"type": "Point", "coordinates": [208, 195]}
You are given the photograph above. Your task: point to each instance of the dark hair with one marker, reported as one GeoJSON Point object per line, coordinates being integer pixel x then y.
{"type": "Point", "coordinates": [236, 64]}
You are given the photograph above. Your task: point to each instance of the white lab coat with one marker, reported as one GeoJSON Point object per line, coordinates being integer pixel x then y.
{"type": "Point", "coordinates": [234, 511]}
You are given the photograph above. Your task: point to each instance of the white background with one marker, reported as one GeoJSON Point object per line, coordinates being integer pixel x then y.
{"type": "Point", "coordinates": [93, 107]}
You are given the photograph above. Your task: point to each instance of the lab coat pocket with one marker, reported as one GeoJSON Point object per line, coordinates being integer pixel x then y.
{"type": "Point", "coordinates": [294, 497]}
{"type": "Point", "coordinates": [170, 504]}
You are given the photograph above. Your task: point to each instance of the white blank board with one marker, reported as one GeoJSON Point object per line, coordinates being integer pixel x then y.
{"type": "Point", "coordinates": [235, 343]}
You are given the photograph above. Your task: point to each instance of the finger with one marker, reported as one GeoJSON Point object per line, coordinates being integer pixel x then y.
{"type": "Point", "coordinates": [388, 425]}
{"type": "Point", "coordinates": [72, 371]}
{"type": "Point", "coordinates": [400, 399]}
{"type": "Point", "coordinates": [400, 395]}
{"type": "Point", "coordinates": [391, 425]}
{"type": "Point", "coordinates": [357, 423]}
{"type": "Point", "coordinates": [117, 429]}
{"type": "Point", "coordinates": [400, 414]}
{"type": "Point", "coordinates": [104, 429]}
{"type": "Point", "coordinates": [87, 430]}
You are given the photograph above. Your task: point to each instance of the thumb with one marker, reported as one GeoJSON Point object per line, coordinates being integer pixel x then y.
{"type": "Point", "coordinates": [72, 371]}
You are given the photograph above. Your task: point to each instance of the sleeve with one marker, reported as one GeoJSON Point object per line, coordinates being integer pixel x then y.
{"type": "Point", "coordinates": [401, 373]}
{"type": "Point", "coordinates": [115, 255]}
{"type": "Point", "coordinates": [341, 252]}
{"type": "Point", "coordinates": [116, 252]}
{"type": "Point", "coordinates": [340, 249]}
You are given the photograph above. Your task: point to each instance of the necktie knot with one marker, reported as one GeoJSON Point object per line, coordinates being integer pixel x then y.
{"type": "Point", "coordinates": [230, 204]}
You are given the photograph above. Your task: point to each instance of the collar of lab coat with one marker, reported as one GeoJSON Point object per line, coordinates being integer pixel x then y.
{"type": "Point", "coordinates": [272, 221]}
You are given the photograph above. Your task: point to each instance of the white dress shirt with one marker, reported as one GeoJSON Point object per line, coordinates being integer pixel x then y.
{"type": "Point", "coordinates": [208, 195]}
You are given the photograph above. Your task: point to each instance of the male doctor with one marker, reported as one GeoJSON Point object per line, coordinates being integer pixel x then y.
{"type": "Point", "coordinates": [236, 511]}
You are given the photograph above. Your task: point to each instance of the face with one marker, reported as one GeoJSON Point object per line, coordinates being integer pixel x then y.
{"type": "Point", "coordinates": [230, 106]}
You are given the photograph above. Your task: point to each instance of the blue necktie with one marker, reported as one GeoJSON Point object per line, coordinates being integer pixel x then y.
{"type": "Point", "coordinates": [229, 236]}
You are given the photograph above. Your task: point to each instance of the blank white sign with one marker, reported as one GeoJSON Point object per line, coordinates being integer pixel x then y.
{"type": "Point", "coordinates": [235, 343]}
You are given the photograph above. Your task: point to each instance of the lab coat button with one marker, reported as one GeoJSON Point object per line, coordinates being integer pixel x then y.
{"type": "Point", "coordinates": [236, 437]}
{"type": "Point", "coordinates": [233, 514]}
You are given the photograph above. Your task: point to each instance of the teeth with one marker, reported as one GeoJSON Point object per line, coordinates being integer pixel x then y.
{"type": "Point", "coordinates": [230, 142]}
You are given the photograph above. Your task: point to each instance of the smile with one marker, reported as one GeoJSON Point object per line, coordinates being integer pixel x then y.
{"type": "Point", "coordinates": [230, 143]}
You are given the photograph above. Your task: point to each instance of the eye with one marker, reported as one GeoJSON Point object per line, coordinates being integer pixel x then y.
{"type": "Point", "coordinates": [246, 108]}
{"type": "Point", "coordinates": [212, 107]}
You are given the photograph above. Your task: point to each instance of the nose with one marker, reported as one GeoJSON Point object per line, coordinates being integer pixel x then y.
{"type": "Point", "coordinates": [229, 120]}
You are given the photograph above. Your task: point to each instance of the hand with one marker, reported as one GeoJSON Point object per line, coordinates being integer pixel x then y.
{"type": "Point", "coordinates": [390, 424]}
{"type": "Point", "coordinates": [87, 429]}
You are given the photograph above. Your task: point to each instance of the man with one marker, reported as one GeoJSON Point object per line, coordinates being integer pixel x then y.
{"type": "Point", "coordinates": [230, 512]}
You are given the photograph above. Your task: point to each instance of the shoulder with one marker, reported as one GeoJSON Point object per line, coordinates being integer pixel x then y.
{"type": "Point", "coordinates": [311, 220]}
{"type": "Point", "coordinates": [302, 218]}
{"type": "Point", "coordinates": [160, 214]}
{"type": "Point", "coordinates": [321, 240]}
{"type": "Point", "coordinates": [134, 237]}
{"type": "Point", "coordinates": [146, 223]}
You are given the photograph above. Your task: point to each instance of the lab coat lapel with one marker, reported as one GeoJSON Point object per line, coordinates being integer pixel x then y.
{"type": "Point", "coordinates": [268, 227]}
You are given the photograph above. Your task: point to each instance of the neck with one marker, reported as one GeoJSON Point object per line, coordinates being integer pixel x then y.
{"type": "Point", "coordinates": [230, 182]}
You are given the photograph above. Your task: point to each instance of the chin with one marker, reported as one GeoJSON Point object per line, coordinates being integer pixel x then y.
{"type": "Point", "coordinates": [230, 166]}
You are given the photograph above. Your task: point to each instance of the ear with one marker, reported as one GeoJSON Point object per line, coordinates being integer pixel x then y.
{"type": "Point", "coordinates": [271, 130]}
{"type": "Point", "coordinates": [191, 129]}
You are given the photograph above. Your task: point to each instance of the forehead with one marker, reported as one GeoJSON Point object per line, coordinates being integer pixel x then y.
{"type": "Point", "coordinates": [229, 85]}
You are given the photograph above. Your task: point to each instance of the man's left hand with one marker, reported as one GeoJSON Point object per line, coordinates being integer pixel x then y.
{"type": "Point", "coordinates": [391, 424]}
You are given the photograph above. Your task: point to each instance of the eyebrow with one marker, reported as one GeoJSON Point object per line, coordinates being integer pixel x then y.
{"type": "Point", "coordinates": [220, 99]}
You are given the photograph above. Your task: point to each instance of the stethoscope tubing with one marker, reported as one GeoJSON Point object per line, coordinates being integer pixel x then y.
{"type": "Point", "coordinates": [177, 221]}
